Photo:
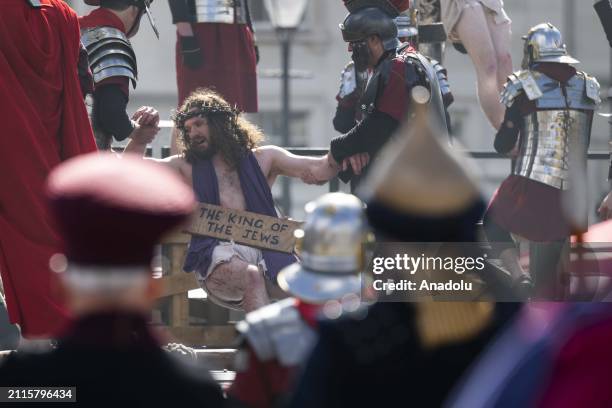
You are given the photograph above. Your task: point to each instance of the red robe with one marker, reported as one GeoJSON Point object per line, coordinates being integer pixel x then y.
{"type": "Point", "coordinates": [229, 64]}
{"type": "Point", "coordinates": [44, 122]}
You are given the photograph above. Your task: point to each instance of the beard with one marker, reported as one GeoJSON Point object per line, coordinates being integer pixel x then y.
{"type": "Point", "coordinates": [202, 153]}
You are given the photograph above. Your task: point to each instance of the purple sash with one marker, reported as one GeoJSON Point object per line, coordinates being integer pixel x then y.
{"type": "Point", "coordinates": [258, 198]}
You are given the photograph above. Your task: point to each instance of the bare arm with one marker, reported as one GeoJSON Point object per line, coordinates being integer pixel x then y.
{"type": "Point", "coordinates": [176, 162]}
{"type": "Point", "coordinates": [311, 170]}
{"type": "Point", "coordinates": [135, 147]}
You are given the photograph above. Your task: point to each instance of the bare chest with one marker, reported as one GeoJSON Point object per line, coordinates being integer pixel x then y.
{"type": "Point", "coordinates": [230, 189]}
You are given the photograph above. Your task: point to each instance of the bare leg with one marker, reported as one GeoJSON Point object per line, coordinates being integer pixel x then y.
{"type": "Point", "coordinates": [473, 31]}
{"type": "Point", "coordinates": [501, 35]}
{"type": "Point", "coordinates": [237, 280]}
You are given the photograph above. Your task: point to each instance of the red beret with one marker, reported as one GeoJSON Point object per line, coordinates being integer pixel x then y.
{"type": "Point", "coordinates": [112, 210]}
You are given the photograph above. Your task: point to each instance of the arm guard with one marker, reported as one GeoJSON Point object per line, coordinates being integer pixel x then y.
{"type": "Point", "coordinates": [441, 73]}
{"type": "Point", "coordinates": [109, 111]}
{"type": "Point", "coordinates": [110, 54]}
{"type": "Point", "coordinates": [506, 136]}
{"type": "Point", "coordinates": [367, 137]}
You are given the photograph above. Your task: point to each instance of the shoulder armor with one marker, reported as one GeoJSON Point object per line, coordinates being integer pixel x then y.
{"type": "Point", "coordinates": [582, 93]}
{"type": "Point", "coordinates": [592, 88]}
{"type": "Point", "coordinates": [110, 54]}
{"type": "Point", "coordinates": [277, 331]}
{"type": "Point", "coordinates": [442, 75]}
{"type": "Point", "coordinates": [512, 89]}
{"type": "Point", "coordinates": [530, 83]}
{"type": "Point", "coordinates": [419, 71]}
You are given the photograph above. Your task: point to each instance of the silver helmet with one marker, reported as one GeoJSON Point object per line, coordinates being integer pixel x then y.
{"type": "Point", "coordinates": [544, 43]}
{"type": "Point", "coordinates": [332, 246]}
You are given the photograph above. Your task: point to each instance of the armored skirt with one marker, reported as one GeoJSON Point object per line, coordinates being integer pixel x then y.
{"type": "Point", "coordinates": [452, 9]}
{"type": "Point", "coordinates": [229, 64]}
{"type": "Point", "coordinates": [530, 209]}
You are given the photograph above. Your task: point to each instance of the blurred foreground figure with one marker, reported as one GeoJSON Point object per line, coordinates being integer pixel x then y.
{"type": "Point", "coordinates": [111, 213]}
{"type": "Point", "coordinates": [402, 353]}
{"type": "Point", "coordinates": [483, 31]}
{"type": "Point", "coordinates": [277, 339]}
{"type": "Point", "coordinates": [43, 122]}
{"type": "Point", "coordinates": [554, 355]}
{"type": "Point", "coordinates": [546, 130]}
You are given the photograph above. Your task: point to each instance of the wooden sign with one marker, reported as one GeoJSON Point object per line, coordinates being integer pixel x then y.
{"type": "Point", "coordinates": [244, 227]}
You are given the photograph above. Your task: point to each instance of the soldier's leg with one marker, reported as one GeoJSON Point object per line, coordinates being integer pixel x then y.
{"type": "Point", "coordinates": [473, 31]}
{"type": "Point", "coordinates": [547, 261]}
{"type": "Point", "coordinates": [504, 248]}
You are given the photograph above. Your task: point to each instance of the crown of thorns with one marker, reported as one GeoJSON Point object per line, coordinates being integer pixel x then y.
{"type": "Point", "coordinates": [203, 109]}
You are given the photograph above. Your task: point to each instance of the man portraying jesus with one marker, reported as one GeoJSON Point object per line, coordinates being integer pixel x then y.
{"type": "Point", "coordinates": [221, 158]}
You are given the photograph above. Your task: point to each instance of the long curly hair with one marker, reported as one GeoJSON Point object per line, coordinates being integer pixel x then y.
{"type": "Point", "coordinates": [230, 133]}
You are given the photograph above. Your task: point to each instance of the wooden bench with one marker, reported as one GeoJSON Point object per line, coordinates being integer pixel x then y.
{"type": "Point", "coordinates": [215, 327]}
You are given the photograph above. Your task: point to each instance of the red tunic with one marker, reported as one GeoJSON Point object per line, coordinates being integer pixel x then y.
{"type": "Point", "coordinates": [395, 98]}
{"type": "Point", "coordinates": [530, 209]}
{"type": "Point", "coordinates": [44, 122]}
{"type": "Point", "coordinates": [229, 64]}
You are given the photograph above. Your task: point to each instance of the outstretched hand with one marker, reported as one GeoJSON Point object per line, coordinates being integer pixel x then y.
{"type": "Point", "coordinates": [146, 116]}
{"type": "Point", "coordinates": [146, 120]}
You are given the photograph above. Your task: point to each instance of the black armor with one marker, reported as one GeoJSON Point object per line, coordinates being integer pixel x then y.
{"type": "Point", "coordinates": [420, 70]}
{"type": "Point", "coordinates": [361, 24]}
